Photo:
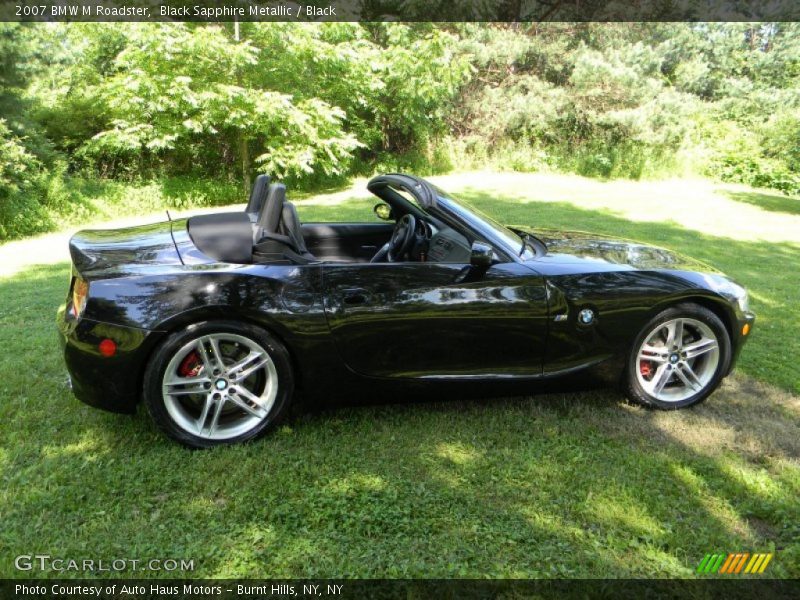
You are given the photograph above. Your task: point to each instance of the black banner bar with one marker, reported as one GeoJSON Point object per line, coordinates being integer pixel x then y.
{"type": "Point", "coordinates": [349, 589]}
{"type": "Point", "coordinates": [399, 10]}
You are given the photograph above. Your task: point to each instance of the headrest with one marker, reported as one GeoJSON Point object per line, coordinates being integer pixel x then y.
{"type": "Point", "coordinates": [257, 194]}
{"type": "Point", "coordinates": [270, 214]}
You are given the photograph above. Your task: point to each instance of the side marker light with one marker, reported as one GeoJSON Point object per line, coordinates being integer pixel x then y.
{"type": "Point", "coordinates": [107, 347]}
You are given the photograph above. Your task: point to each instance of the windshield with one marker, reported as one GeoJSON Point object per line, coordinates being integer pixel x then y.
{"type": "Point", "coordinates": [486, 225]}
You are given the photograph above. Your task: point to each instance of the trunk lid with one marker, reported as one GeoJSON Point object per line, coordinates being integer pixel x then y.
{"type": "Point", "coordinates": [116, 251]}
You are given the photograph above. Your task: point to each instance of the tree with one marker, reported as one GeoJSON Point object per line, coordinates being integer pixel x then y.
{"type": "Point", "coordinates": [186, 93]}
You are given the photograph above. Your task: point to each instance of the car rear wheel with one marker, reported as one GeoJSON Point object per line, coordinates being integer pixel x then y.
{"type": "Point", "coordinates": [679, 358]}
{"type": "Point", "coordinates": [218, 382]}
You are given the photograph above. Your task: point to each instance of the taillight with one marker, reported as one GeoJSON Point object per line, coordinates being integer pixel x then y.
{"type": "Point", "coordinates": [80, 291]}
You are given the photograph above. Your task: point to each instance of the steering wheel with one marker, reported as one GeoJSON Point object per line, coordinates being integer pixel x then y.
{"type": "Point", "coordinates": [402, 238]}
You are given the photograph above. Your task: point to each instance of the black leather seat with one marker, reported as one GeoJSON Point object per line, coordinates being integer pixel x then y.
{"type": "Point", "coordinates": [277, 235]}
{"type": "Point", "coordinates": [257, 196]}
{"type": "Point", "coordinates": [269, 216]}
{"type": "Point", "coordinates": [290, 227]}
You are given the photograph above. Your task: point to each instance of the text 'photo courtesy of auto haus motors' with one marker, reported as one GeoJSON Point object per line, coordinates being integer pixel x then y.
{"type": "Point", "coordinates": [171, 589]}
{"type": "Point", "coordinates": [218, 321]}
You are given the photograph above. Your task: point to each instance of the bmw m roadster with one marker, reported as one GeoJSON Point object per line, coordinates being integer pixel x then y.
{"type": "Point", "coordinates": [218, 321]}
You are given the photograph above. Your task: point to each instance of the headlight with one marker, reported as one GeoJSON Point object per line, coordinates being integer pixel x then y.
{"type": "Point", "coordinates": [737, 293]}
{"type": "Point", "coordinates": [728, 288]}
{"type": "Point", "coordinates": [80, 292]}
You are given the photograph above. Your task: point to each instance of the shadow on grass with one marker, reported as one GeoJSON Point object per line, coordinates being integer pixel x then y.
{"type": "Point", "coordinates": [559, 485]}
{"type": "Point", "coordinates": [770, 202]}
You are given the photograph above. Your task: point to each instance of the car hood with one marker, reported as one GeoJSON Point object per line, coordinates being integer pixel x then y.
{"type": "Point", "coordinates": [578, 246]}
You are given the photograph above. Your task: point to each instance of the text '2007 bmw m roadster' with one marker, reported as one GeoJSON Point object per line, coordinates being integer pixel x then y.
{"type": "Point", "coordinates": [218, 320]}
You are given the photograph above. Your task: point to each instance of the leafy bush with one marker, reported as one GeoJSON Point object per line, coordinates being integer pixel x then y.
{"type": "Point", "coordinates": [176, 88]}
{"type": "Point", "coordinates": [636, 100]}
{"type": "Point", "coordinates": [20, 210]}
{"type": "Point", "coordinates": [764, 154]}
{"type": "Point", "coordinates": [298, 101]}
{"type": "Point", "coordinates": [315, 103]}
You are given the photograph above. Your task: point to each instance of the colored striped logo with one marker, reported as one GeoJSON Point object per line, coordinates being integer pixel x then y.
{"type": "Point", "coordinates": [734, 564]}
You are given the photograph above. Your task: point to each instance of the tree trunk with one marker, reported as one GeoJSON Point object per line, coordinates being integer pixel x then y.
{"type": "Point", "coordinates": [244, 154]}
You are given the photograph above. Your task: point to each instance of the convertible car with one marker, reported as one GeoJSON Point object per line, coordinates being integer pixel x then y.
{"type": "Point", "coordinates": [217, 322]}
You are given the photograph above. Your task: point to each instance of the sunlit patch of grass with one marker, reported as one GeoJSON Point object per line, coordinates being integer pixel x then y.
{"type": "Point", "coordinates": [694, 481]}
{"type": "Point", "coordinates": [622, 509]}
{"type": "Point", "coordinates": [457, 454]}
{"type": "Point", "coordinates": [357, 483]}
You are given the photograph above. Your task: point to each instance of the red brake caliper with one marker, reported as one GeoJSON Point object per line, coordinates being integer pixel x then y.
{"type": "Point", "coordinates": [646, 368]}
{"type": "Point", "coordinates": [191, 365]}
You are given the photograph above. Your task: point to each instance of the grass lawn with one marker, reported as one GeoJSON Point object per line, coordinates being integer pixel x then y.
{"type": "Point", "coordinates": [558, 485]}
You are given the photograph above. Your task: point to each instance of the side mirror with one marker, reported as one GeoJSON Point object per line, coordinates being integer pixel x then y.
{"type": "Point", "coordinates": [481, 255]}
{"type": "Point", "coordinates": [382, 211]}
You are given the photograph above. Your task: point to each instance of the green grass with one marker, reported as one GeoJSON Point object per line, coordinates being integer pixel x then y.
{"type": "Point", "coordinates": [558, 485]}
{"type": "Point", "coordinates": [768, 201]}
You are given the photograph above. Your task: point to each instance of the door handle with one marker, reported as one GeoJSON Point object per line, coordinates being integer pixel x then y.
{"type": "Point", "coordinates": [355, 296]}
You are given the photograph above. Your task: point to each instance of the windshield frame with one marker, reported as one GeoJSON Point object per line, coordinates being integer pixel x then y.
{"type": "Point", "coordinates": [490, 230]}
{"type": "Point", "coordinates": [408, 193]}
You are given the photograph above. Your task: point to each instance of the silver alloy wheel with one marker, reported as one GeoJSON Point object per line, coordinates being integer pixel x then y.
{"type": "Point", "coordinates": [677, 359]}
{"type": "Point", "coordinates": [220, 386]}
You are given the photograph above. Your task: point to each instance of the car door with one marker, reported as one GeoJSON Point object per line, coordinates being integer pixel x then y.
{"type": "Point", "coordinates": [437, 320]}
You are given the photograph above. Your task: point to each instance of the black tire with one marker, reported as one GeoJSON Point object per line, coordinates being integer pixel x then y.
{"type": "Point", "coordinates": [154, 378]}
{"type": "Point", "coordinates": [631, 383]}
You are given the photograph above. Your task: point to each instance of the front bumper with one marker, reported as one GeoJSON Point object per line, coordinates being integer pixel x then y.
{"type": "Point", "coordinates": [740, 335]}
{"type": "Point", "coordinates": [111, 383]}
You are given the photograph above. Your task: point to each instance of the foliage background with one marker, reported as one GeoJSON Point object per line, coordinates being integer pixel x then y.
{"type": "Point", "coordinates": [190, 113]}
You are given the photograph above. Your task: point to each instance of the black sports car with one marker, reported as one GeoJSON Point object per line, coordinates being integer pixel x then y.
{"type": "Point", "coordinates": [217, 321]}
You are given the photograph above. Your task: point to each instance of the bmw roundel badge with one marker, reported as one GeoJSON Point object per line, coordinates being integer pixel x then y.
{"type": "Point", "coordinates": [586, 316]}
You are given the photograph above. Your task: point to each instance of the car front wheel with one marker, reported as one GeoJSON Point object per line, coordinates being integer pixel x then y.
{"type": "Point", "coordinates": [679, 358]}
{"type": "Point", "coordinates": [218, 382]}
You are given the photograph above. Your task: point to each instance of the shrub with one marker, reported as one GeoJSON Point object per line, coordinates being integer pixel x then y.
{"type": "Point", "coordinates": [20, 210]}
